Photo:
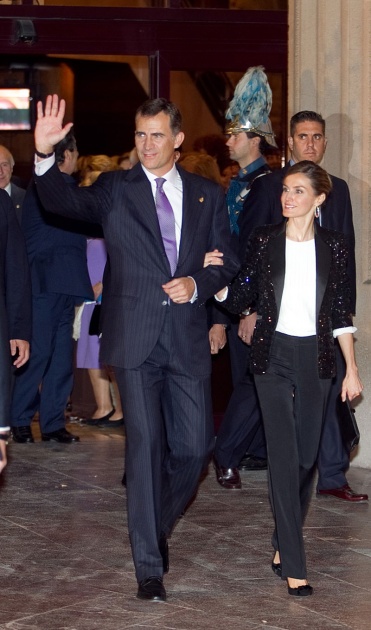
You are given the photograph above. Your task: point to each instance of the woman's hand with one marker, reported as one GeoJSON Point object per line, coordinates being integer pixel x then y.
{"type": "Point", "coordinates": [352, 385]}
{"type": "Point", "coordinates": [246, 327]}
{"type": "Point", "coordinates": [213, 258]}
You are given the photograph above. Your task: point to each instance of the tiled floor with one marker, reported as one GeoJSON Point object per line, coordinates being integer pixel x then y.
{"type": "Point", "coordinates": [65, 562]}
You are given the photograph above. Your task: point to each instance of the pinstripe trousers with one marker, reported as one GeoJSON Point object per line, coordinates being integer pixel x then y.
{"type": "Point", "coordinates": [169, 439]}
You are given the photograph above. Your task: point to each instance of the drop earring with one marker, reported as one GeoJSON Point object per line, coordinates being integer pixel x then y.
{"type": "Point", "coordinates": [316, 212]}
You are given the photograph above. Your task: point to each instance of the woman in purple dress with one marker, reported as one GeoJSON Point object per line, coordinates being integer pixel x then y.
{"type": "Point", "coordinates": [108, 412]}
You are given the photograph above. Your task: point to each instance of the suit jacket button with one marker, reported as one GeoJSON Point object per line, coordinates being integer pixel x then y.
{"type": "Point", "coordinates": [164, 303]}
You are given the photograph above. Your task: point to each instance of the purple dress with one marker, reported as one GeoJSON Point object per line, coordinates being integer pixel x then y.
{"type": "Point", "coordinates": [87, 354]}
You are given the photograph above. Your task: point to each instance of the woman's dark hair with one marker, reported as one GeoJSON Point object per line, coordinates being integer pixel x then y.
{"type": "Point", "coordinates": [155, 106]}
{"type": "Point", "coordinates": [318, 177]}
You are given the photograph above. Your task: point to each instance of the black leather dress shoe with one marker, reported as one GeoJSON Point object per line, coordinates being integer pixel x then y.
{"type": "Point", "coordinates": [228, 478]}
{"type": "Point", "coordinates": [23, 435]}
{"type": "Point", "coordinates": [152, 589]}
{"type": "Point", "coordinates": [62, 435]}
{"type": "Point", "coordinates": [345, 493]}
{"type": "Point", "coordinates": [251, 462]}
{"type": "Point", "coordinates": [164, 551]}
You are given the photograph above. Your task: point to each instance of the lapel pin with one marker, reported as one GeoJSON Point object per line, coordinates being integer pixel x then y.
{"type": "Point", "coordinates": [201, 199]}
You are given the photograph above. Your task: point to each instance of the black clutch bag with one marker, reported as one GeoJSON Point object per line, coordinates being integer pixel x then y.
{"type": "Point", "coordinates": [94, 327]}
{"type": "Point", "coordinates": [348, 424]}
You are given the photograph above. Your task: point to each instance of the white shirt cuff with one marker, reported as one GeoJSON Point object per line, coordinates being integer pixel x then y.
{"type": "Point", "coordinates": [44, 165]}
{"type": "Point", "coordinates": [224, 296]}
{"type": "Point", "coordinates": [195, 293]}
{"type": "Point", "coordinates": [340, 331]}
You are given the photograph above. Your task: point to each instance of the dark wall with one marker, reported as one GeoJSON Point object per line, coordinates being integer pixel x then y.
{"type": "Point", "coordinates": [105, 100]}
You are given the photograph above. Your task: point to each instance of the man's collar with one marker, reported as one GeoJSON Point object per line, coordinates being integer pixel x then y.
{"type": "Point", "coordinates": [253, 166]}
{"type": "Point", "coordinates": [170, 176]}
{"type": "Point", "coordinates": [8, 189]}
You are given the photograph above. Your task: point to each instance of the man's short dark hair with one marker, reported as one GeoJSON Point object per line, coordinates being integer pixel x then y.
{"type": "Point", "coordinates": [264, 146]}
{"type": "Point", "coordinates": [67, 144]}
{"type": "Point", "coordinates": [306, 116]}
{"type": "Point", "coordinates": [155, 106]}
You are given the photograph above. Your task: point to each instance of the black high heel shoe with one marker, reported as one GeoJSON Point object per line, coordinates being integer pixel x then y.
{"type": "Point", "coordinates": [300, 591]}
{"type": "Point", "coordinates": [93, 422]}
{"type": "Point", "coordinates": [277, 568]}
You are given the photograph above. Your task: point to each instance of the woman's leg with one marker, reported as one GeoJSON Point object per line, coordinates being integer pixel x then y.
{"type": "Point", "coordinates": [102, 394]}
{"type": "Point", "coordinates": [115, 395]}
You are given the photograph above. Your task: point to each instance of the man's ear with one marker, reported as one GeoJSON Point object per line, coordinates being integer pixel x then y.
{"type": "Point", "coordinates": [290, 142]}
{"type": "Point", "coordinates": [66, 155]}
{"type": "Point", "coordinates": [179, 138]}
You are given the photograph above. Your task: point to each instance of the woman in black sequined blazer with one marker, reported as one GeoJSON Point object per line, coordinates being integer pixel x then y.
{"type": "Point", "coordinates": [295, 277]}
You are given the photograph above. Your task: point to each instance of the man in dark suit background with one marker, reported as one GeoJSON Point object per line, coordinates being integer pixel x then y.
{"type": "Point", "coordinates": [154, 323]}
{"type": "Point", "coordinates": [6, 171]}
{"type": "Point", "coordinates": [307, 141]}
{"type": "Point", "coordinates": [56, 251]}
{"type": "Point", "coordinates": [250, 138]}
{"type": "Point", "coordinates": [15, 309]}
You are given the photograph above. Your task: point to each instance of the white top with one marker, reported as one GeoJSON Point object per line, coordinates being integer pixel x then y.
{"type": "Point", "coordinates": [297, 316]}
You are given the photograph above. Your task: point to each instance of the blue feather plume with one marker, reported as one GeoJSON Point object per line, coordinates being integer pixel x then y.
{"type": "Point", "coordinates": [252, 98]}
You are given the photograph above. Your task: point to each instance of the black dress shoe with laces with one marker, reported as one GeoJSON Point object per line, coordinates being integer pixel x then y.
{"type": "Point", "coordinates": [23, 435]}
{"type": "Point", "coordinates": [228, 478]}
{"type": "Point", "coordinates": [164, 551]}
{"type": "Point", "coordinates": [62, 435]}
{"type": "Point", "coordinates": [152, 589]}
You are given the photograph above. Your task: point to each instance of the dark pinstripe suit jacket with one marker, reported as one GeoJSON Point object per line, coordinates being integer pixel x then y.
{"type": "Point", "coordinates": [134, 303]}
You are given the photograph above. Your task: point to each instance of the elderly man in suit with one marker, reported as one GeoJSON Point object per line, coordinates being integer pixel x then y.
{"type": "Point", "coordinates": [158, 222]}
{"type": "Point", "coordinates": [15, 310]}
{"type": "Point", "coordinates": [56, 251]}
{"type": "Point", "coordinates": [307, 141]}
{"type": "Point", "coordinates": [6, 171]}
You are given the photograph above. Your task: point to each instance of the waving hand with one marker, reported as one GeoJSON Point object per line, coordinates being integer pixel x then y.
{"type": "Point", "coordinates": [49, 128]}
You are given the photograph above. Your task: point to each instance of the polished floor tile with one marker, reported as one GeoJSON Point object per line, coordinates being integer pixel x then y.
{"type": "Point", "coordinates": [65, 561]}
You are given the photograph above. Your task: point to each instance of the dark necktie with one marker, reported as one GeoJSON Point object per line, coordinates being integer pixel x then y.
{"type": "Point", "coordinates": [167, 223]}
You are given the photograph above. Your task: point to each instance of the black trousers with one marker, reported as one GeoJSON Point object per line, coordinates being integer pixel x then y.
{"type": "Point", "coordinates": [241, 429]}
{"type": "Point", "coordinates": [293, 402]}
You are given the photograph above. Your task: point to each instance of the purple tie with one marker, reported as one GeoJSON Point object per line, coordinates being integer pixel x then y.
{"type": "Point", "coordinates": [167, 223]}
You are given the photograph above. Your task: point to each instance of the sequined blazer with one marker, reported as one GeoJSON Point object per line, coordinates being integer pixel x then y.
{"type": "Point", "coordinates": [261, 281]}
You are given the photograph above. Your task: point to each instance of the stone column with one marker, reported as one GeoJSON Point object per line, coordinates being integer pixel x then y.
{"type": "Point", "coordinates": [330, 72]}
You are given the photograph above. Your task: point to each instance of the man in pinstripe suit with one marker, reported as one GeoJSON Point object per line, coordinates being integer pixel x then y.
{"type": "Point", "coordinates": [154, 324]}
